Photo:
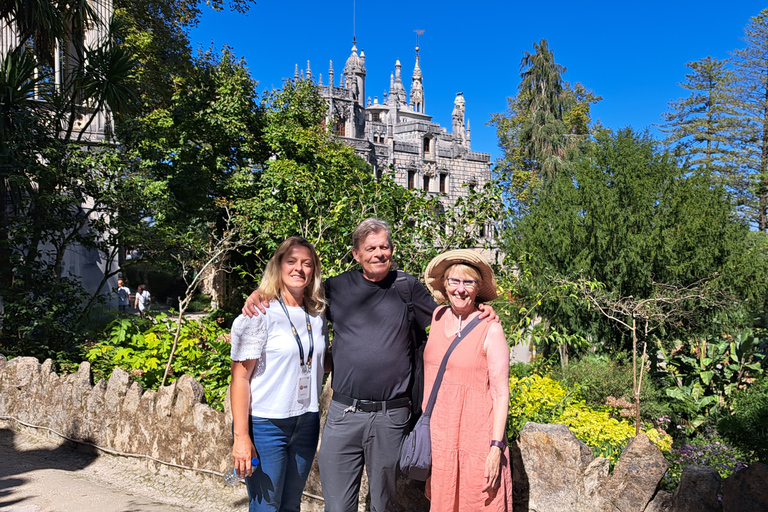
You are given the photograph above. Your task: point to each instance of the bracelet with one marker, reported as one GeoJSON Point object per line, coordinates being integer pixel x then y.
{"type": "Point", "coordinates": [498, 444]}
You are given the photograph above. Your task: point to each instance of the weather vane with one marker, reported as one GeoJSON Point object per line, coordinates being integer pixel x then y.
{"type": "Point", "coordinates": [418, 33]}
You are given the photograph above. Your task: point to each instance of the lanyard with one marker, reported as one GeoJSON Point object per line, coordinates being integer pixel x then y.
{"type": "Point", "coordinates": [296, 335]}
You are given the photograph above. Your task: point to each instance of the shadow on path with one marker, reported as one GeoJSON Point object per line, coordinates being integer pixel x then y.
{"type": "Point", "coordinates": [16, 463]}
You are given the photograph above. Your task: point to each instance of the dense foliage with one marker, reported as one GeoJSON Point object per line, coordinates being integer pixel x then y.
{"type": "Point", "coordinates": [543, 400]}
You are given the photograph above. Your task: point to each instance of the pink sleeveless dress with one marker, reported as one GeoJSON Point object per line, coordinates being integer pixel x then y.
{"type": "Point", "coordinates": [461, 424]}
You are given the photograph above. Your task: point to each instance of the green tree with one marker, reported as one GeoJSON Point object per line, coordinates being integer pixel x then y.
{"type": "Point", "coordinates": [751, 65]}
{"type": "Point", "coordinates": [630, 218]}
{"type": "Point", "coordinates": [546, 120]}
{"type": "Point", "coordinates": [701, 126]}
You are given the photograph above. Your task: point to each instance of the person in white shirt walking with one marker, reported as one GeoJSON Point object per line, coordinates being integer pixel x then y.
{"type": "Point", "coordinates": [142, 300]}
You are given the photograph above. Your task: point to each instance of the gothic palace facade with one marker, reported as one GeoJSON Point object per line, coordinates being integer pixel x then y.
{"type": "Point", "coordinates": [398, 134]}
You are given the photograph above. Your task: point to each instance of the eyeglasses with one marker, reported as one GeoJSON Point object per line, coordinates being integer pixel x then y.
{"type": "Point", "coordinates": [469, 284]}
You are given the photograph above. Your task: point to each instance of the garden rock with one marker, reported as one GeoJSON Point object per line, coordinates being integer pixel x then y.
{"type": "Point", "coordinates": [635, 477]}
{"type": "Point", "coordinates": [555, 471]}
{"type": "Point", "coordinates": [698, 489]}
{"type": "Point", "coordinates": [660, 503]}
{"type": "Point", "coordinates": [747, 489]}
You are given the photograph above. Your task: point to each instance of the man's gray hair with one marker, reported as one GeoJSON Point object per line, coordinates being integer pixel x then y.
{"type": "Point", "coordinates": [368, 226]}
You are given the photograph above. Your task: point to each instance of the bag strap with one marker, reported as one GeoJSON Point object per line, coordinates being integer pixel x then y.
{"type": "Point", "coordinates": [401, 285]}
{"type": "Point", "coordinates": [439, 379]}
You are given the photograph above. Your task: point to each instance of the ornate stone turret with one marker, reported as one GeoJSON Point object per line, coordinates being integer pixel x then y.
{"type": "Point", "coordinates": [458, 118]}
{"type": "Point", "coordinates": [354, 72]}
{"type": "Point", "coordinates": [397, 92]}
{"type": "Point", "coordinates": [417, 89]}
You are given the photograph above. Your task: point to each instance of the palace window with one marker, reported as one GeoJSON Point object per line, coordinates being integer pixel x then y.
{"type": "Point", "coordinates": [411, 180]}
{"type": "Point", "coordinates": [443, 178]}
{"type": "Point", "coordinates": [426, 183]}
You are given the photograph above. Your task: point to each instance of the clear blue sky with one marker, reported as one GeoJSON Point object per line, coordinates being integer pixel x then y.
{"type": "Point", "coordinates": [632, 54]}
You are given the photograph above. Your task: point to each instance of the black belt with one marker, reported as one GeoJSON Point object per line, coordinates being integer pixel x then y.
{"type": "Point", "coordinates": [371, 405]}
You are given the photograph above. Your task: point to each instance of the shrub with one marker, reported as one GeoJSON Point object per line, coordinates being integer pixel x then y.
{"type": "Point", "coordinates": [600, 376]}
{"type": "Point", "coordinates": [544, 400]}
{"type": "Point", "coordinates": [746, 427]}
{"type": "Point", "coordinates": [142, 347]}
{"type": "Point", "coordinates": [534, 398]}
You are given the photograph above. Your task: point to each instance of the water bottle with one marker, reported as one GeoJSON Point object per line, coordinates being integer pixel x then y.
{"type": "Point", "coordinates": [230, 477]}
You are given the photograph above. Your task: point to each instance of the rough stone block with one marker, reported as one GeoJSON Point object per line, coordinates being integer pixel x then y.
{"type": "Point", "coordinates": [164, 400]}
{"type": "Point", "coordinates": [554, 462]}
{"type": "Point", "coordinates": [747, 489]}
{"type": "Point", "coordinates": [661, 502]}
{"type": "Point", "coordinates": [189, 393]}
{"type": "Point", "coordinates": [117, 387]}
{"type": "Point", "coordinates": [636, 476]}
{"type": "Point", "coordinates": [698, 489]}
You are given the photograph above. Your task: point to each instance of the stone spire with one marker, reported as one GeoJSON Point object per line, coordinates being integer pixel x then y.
{"type": "Point", "coordinates": [398, 91]}
{"type": "Point", "coordinates": [330, 75]}
{"type": "Point", "coordinates": [417, 88]}
{"type": "Point", "coordinates": [309, 72]}
{"type": "Point", "coordinates": [354, 71]}
{"type": "Point", "coordinates": [458, 118]}
{"type": "Point", "coordinates": [296, 73]}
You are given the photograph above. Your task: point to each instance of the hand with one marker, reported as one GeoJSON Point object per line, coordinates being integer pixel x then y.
{"type": "Point", "coordinates": [254, 304]}
{"type": "Point", "coordinates": [492, 471]}
{"type": "Point", "coordinates": [487, 312]}
{"type": "Point", "coordinates": [242, 453]}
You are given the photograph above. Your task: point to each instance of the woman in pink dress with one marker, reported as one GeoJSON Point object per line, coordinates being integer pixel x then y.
{"type": "Point", "coordinates": [470, 458]}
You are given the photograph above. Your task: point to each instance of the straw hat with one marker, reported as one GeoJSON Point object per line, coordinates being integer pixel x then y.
{"type": "Point", "coordinates": [436, 268]}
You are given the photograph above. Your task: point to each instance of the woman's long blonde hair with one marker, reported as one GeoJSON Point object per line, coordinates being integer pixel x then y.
{"type": "Point", "coordinates": [314, 293]}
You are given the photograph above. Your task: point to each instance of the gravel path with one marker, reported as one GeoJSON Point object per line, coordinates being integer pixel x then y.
{"type": "Point", "coordinates": [40, 472]}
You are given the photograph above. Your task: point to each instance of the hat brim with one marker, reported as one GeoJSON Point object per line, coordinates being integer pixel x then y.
{"type": "Point", "coordinates": [433, 275]}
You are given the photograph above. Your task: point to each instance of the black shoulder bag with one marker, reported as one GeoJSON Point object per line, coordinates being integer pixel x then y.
{"type": "Point", "coordinates": [418, 338]}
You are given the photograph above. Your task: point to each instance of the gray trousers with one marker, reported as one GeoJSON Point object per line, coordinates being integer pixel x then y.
{"type": "Point", "coordinates": [353, 439]}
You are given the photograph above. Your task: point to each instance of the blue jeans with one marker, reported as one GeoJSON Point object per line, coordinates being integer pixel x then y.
{"type": "Point", "coordinates": [286, 449]}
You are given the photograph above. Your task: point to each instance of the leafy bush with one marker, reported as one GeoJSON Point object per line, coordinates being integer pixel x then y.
{"type": "Point", "coordinates": [535, 398]}
{"type": "Point", "coordinates": [601, 376]}
{"type": "Point", "coordinates": [746, 427]}
{"type": "Point", "coordinates": [702, 374]}
{"type": "Point", "coordinates": [142, 348]}
{"type": "Point", "coordinates": [200, 302]}
{"type": "Point", "coordinates": [544, 400]}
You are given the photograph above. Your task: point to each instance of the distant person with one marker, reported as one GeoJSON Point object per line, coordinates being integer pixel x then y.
{"type": "Point", "coordinates": [123, 296]}
{"type": "Point", "coordinates": [277, 375]}
{"type": "Point", "coordinates": [470, 458]}
{"type": "Point", "coordinates": [142, 300]}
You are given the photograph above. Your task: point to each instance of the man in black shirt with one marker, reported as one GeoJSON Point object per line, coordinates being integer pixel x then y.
{"type": "Point", "coordinates": [370, 411]}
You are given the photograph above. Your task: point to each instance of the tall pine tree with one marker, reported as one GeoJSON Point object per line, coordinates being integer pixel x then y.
{"type": "Point", "coordinates": [543, 122]}
{"type": "Point", "coordinates": [751, 64]}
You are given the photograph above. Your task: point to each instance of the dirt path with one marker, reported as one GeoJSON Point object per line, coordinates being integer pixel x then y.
{"type": "Point", "coordinates": [39, 472]}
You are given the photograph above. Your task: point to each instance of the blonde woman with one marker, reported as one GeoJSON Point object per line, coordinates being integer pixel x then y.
{"type": "Point", "coordinates": [277, 372]}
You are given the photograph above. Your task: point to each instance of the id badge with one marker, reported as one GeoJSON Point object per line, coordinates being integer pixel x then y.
{"type": "Point", "coordinates": [304, 387]}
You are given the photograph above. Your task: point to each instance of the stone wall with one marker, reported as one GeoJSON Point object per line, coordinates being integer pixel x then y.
{"type": "Point", "coordinates": [552, 470]}
{"type": "Point", "coordinates": [171, 424]}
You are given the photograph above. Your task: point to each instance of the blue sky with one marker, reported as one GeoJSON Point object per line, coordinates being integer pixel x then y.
{"type": "Point", "coordinates": [631, 54]}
